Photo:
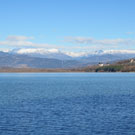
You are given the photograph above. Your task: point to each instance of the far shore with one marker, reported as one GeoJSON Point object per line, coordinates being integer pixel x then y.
{"type": "Point", "coordinates": [36, 70]}
{"type": "Point", "coordinates": [44, 70]}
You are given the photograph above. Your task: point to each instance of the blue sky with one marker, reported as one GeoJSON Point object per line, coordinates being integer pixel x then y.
{"type": "Point", "coordinates": [74, 25]}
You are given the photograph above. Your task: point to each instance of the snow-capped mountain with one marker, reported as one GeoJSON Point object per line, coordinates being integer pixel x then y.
{"type": "Point", "coordinates": [116, 52]}
{"type": "Point", "coordinates": [84, 58]}
{"type": "Point", "coordinates": [55, 53]}
{"type": "Point", "coordinates": [108, 56]}
{"type": "Point", "coordinates": [42, 53]}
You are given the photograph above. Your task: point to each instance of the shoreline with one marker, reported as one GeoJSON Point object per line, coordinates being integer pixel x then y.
{"type": "Point", "coordinates": [55, 71]}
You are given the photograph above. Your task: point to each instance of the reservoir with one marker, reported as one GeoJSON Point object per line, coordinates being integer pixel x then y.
{"type": "Point", "coordinates": [67, 104]}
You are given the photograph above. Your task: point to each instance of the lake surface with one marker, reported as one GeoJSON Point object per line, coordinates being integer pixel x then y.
{"type": "Point", "coordinates": [67, 104]}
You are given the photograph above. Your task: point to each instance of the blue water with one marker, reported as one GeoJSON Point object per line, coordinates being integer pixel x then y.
{"type": "Point", "coordinates": [67, 104]}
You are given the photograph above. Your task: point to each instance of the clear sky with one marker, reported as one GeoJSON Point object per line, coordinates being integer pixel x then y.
{"type": "Point", "coordinates": [74, 25]}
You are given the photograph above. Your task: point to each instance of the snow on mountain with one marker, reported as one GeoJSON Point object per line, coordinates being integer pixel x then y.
{"type": "Point", "coordinates": [80, 58]}
{"type": "Point", "coordinates": [34, 50]}
{"type": "Point", "coordinates": [42, 53]}
{"type": "Point", "coordinates": [119, 52]}
{"type": "Point", "coordinates": [76, 54]}
{"type": "Point", "coordinates": [100, 52]}
{"type": "Point", "coordinates": [55, 53]}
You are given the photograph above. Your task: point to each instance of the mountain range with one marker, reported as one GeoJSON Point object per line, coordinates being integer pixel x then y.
{"type": "Point", "coordinates": [53, 58]}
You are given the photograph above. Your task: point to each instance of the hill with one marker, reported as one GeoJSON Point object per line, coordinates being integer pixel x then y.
{"type": "Point", "coordinates": [121, 66]}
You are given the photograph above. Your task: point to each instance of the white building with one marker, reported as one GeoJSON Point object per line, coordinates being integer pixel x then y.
{"type": "Point", "coordinates": [132, 60]}
{"type": "Point", "coordinates": [101, 64]}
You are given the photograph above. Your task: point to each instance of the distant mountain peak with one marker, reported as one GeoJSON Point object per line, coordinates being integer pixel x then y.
{"type": "Point", "coordinates": [53, 58]}
{"type": "Point", "coordinates": [41, 52]}
{"type": "Point", "coordinates": [99, 52]}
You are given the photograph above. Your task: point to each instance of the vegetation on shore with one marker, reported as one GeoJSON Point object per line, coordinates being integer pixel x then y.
{"type": "Point", "coordinates": [122, 66]}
